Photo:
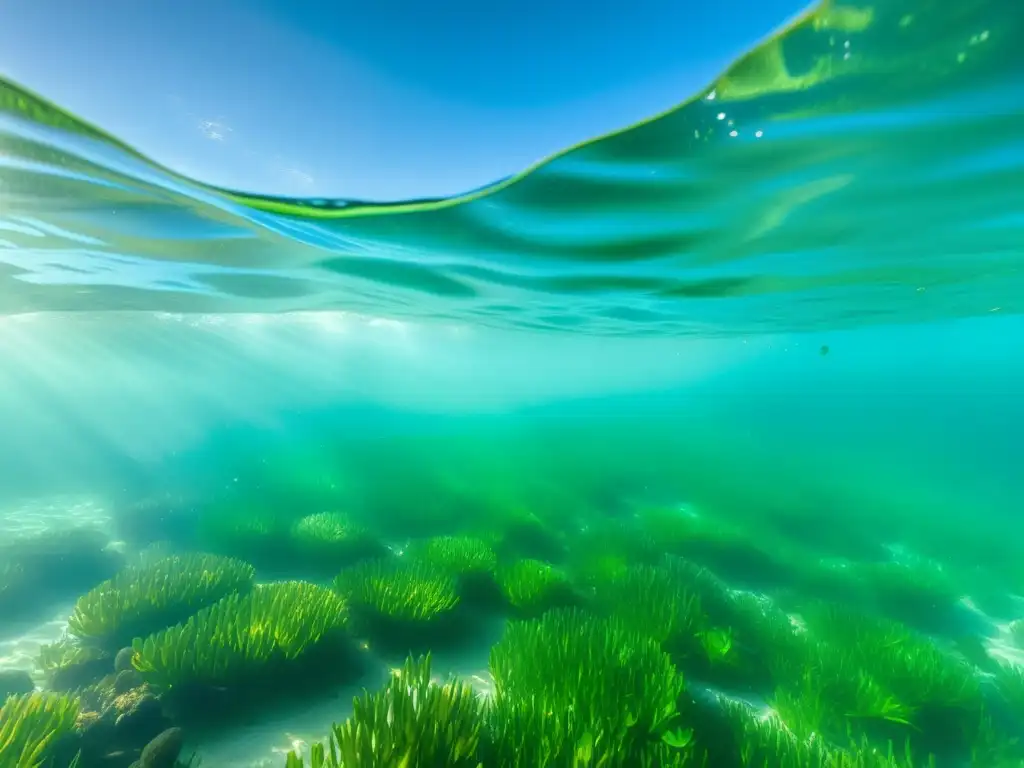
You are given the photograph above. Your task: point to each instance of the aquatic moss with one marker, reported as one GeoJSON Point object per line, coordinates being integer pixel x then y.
{"type": "Point", "coordinates": [398, 590]}
{"type": "Point", "coordinates": [412, 721]}
{"type": "Point", "coordinates": [334, 538]}
{"type": "Point", "coordinates": [144, 598]}
{"type": "Point", "coordinates": [458, 555]}
{"type": "Point", "coordinates": [604, 687]}
{"type": "Point", "coordinates": [241, 635]}
{"type": "Point", "coordinates": [533, 586]}
{"type": "Point", "coordinates": [32, 725]}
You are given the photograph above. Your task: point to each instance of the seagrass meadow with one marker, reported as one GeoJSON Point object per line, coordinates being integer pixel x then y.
{"type": "Point", "coordinates": [601, 626]}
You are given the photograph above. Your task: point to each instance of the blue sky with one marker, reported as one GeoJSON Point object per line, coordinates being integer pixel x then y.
{"type": "Point", "coordinates": [377, 100]}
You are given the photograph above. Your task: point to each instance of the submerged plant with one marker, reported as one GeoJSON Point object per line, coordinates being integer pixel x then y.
{"type": "Point", "coordinates": [832, 700]}
{"type": "Point", "coordinates": [912, 591]}
{"type": "Point", "coordinates": [569, 680]}
{"type": "Point", "coordinates": [142, 599]}
{"type": "Point", "coordinates": [525, 534]}
{"type": "Point", "coordinates": [334, 537]}
{"type": "Point", "coordinates": [762, 740]}
{"type": "Point", "coordinates": [1009, 680]}
{"type": "Point", "coordinates": [712, 541]}
{"type": "Point", "coordinates": [533, 585]}
{"type": "Point", "coordinates": [400, 591]}
{"type": "Point", "coordinates": [656, 601]}
{"type": "Point", "coordinates": [244, 532]}
{"type": "Point", "coordinates": [241, 635]}
{"type": "Point", "coordinates": [413, 721]}
{"type": "Point", "coordinates": [457, 555]}
{"type": "Point", "coordinates": [864, 676]}
{"type": "Point", "coordinates": [605, 551]}
{"type": "Point", "coordinates": [59, 660]}
{"type": "Point", "coordinates": [31, 725]}
{"type": "Point", "coordinates": [901, 660]}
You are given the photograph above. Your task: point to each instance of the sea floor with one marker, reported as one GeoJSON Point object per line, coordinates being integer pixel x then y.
{"type": "Point", "coordinates": [78, 547]}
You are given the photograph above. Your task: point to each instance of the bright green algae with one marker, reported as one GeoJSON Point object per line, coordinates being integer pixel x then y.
{"type": "Point", "coordinates": [638, 640]}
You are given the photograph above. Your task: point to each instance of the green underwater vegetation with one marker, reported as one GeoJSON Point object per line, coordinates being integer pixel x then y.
{"type": "Point", "coordinates": [333, 538]}
{"type": "Point", "coordinates": [402, 591]}
{"type": "Point", "coordinates": [32, 726]}
{"type": "Point", "coordinates": [531, 586]}
{"type": "Point", "coordinates": [143, 599]}
{"type": "Point", "coordinates": [461, 556]}
{"type": "Point", "coordinates": [240, 636]}
{"type": "Point", "coordinates": [246, 531]}
{"type": "Point", "coordinates": [412, 721]}
{"type": "Point", "coordinates": [618, 648]}
{"type": "Point", "coordinates": [569, 681]}
{"type": "Point", "coordinates": [661, 636]}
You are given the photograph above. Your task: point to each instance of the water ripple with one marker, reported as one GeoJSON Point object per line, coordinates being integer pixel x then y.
{"type": "Point", "coordinates": [863, 166]}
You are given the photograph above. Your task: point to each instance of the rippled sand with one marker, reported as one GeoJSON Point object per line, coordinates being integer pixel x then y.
{"type": "Point", "coordinates": [20, 650]}
{"type": "Point", "coordinates": [35, 517]}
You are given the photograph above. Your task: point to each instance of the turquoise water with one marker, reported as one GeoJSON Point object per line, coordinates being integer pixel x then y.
{"type": "Point", "coordinates": [770, 334]}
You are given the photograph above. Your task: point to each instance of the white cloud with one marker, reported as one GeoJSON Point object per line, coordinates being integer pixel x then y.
{"type": "Point", "coordinates": [215, 130]}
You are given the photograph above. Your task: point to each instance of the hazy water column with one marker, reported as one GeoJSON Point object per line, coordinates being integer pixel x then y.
{"type": "Point", "coordinates": [922, 416]}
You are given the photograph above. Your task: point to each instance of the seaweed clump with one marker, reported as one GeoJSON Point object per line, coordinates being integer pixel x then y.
{"type": "Point", "coordinates": [69, 665]}
{"type": "Point", "coordinates": [764, 741]}
{"type": "Point", "coordinates": [876, 679]}
{"type": "Point", "coordinates": [395, 600]}
{"type": "Point", "coordinates": [460, 556]}
{"type": "Point", "coordinates": [573, 687]}
{"type": "Point", "coordinates": [32, 727]}
{"type": "Point", "coordinates": [142, 599]}
{"type": "Point", "coordinates": [241, 636]}
{"type": "Point", "coordinates": [533, 586]}
{"type": "Point", "coordinates": [332, 539]}
{"type": "Point", "coordinates": [412, 721]}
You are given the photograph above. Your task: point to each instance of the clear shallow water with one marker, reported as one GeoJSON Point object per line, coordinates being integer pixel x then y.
{"type": "Point", "coordinates": [181, 362]}
{"type": "Point", "coordinates": [863, 167]}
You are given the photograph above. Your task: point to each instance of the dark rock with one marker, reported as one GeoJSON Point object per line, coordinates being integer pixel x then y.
{"type": "Point", "coordinates": [126, 680]}
{"type": "Point", "coordinates": [14, 682]}
{"type": "Point", "coordinates": [163, 751]}
{"type": "Point", "coordinates": [97, 735]}
{"type": "Point", "coordinates": [141, 721]}
{"type": "Point", "coordinates": [123, 660]}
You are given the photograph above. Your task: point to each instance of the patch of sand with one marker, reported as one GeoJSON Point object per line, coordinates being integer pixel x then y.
{"type": "Point", "coordinates": [21, 650]}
